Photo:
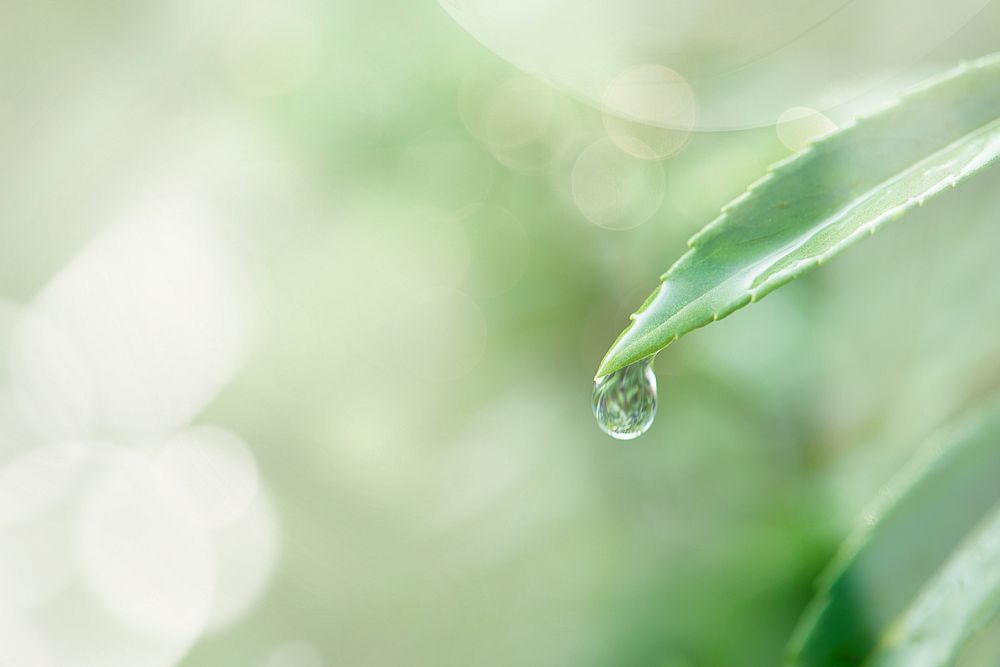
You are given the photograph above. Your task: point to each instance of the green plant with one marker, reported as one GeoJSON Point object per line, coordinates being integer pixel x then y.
{"type": "Point", "coordinates": [921, 577]}
{"type": "Point", "coordinates": [813, 205]}
{"type": "Point", "coordinates": [912, 584]}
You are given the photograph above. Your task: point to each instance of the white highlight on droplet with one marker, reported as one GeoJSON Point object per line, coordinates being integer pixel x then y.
{"type": "Point", "coordinates": [153, 571]}
{"type": "Point", "coordinates": [798, 126]}
{"type": "Point", "coordinates": [649, 111]}
{"type": "Point", "coordinates": [613, 189]}
{"type": "Point", "coordinates": [206, 475]}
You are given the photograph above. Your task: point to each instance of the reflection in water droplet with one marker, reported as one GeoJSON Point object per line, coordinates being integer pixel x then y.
{"type": "Point", "coordinates": [625, 401]}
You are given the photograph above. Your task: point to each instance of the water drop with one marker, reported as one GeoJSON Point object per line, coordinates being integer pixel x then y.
{"type": "Point", "coordinates": [625, 401]}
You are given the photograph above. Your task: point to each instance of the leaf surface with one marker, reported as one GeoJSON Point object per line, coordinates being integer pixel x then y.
{"type": "Point", "coordinates": [952, 608]}
{"type": "Point", "coordinates": [915, 527]}
{"type": "Point", "coordinates": [821, 200]}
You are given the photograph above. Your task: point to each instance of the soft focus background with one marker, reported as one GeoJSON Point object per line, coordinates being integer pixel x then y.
{"type": "Point", "coordinates": [300, 304]}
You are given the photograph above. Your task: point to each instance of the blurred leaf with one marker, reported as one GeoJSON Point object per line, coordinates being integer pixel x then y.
{"type": "Point", "coordinates": [956, 604]}
{"type": "Point", "coordinates": [813, 205]}
{"type": "Point", "coordinates": [910, 535]}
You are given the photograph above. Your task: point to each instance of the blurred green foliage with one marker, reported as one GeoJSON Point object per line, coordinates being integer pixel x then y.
{"type": "Point", "coordinates": [420, 409]}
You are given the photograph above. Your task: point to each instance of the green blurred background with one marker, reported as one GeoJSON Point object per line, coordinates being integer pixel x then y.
{"type": "Point", "coordinates": [386, 262]}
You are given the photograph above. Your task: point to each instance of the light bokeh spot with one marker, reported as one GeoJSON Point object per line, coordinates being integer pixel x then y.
{"type": "Point", "coordinates": [293, 654]}
{"type": "Point", "coordinates": [50, 614]}
{"type": "Point", "coordinates": [150, 569]}
{"type": "Point", "coordinates": [35, 480]}
{"type": "Point", "coordinates": [798, 126]}
{"type": "Point", "coordinates": [51, 382]}
{"type": "Point", "coordinates": [98, 542]}
{"type": "Point", "coordinates": [207, 475]}
{"type": "Point", "coordinates": [744, 61]}
{"type": "Point", "coordinates": [649, 111]}
{"type": "Point", "coordinates": [516, 112]}
{"type": "Point", "coordinates": [141, 329]}
{"type": "Point", "coordinates": [522, 121]}
{"type": "Point", "coordinates": [613, 189]}
{"type": "Point", "coordinates": [246, 553]}
{"type": "Point", "coordinates": [39, 495]}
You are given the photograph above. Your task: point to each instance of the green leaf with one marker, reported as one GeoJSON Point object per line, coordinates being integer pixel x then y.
{"type": "Point", "coordinates": [813, 205]}
{"type": "Point", "coordinates": [952, 608]}
{"type": "Point", "coordinates": [909, 535]}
